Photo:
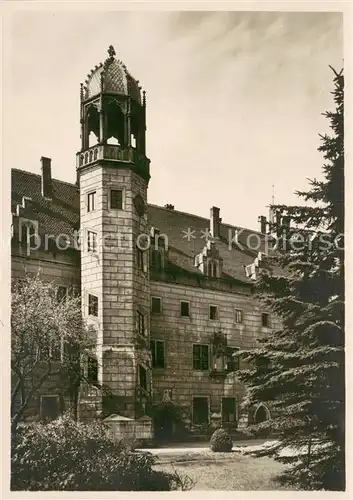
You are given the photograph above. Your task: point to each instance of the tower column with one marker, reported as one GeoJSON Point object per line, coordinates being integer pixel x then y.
{"type": "Point", "coordinates": [102, 137]}
{"type": "Point", "coordinates": [128, 124]}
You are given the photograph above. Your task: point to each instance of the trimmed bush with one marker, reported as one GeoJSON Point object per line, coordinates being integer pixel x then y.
{"type": "Point", "coordinates": [72, 456]}
{"type": "Point", "coordinates": [221, 441]}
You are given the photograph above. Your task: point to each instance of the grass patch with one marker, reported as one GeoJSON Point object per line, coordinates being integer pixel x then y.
{"type": "Point", "coordinates": [224, 471]}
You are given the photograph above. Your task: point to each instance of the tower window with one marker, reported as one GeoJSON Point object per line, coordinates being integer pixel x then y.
{"type": "Point", "coordinates": [143, 377]}
{"type": "Point", "coordinates": [156, 305]}
{"type": "Point", "coordinates": [201, 358]}
{"type": "Point", "coordinates": [92, 369]}
{"type": "Point", "coordinates": [91, 242]}
{"type": "Point", "coordinates": [140, 324]}
{"type": "Point", "coordinates": [157, 348]}
{"type": "Point", "coordinates": [213, 312]}
{"type": "Point", "coordinates": [92, 305]}
{"type": "Point", "coordinates": [91, 201]}
{"type": "Point", "coordinates": [116, 199]}
{"type": "Point", "coordinates": [265, 318]}
{"type": "Point", "coordinates": [184, 308]}
{"type": "Point", "coordinates": [140, 259]}
{"type": "Point", "coordinates": [238, 316]}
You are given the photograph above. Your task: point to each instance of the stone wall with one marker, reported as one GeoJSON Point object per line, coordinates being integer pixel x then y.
{"type": "Point", "coordinates": [180, 333]}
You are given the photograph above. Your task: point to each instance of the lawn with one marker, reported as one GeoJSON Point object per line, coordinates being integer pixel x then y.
{"type": "Point", "coordinates": [223, 471]}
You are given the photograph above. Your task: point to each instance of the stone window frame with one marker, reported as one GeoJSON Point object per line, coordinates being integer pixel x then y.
{"type": "Point", "coordinates": [57, 396]}
{"type": "Point", "coordinates": [209, 357]}
{"type": "Point", "coordinates": [209, 312]}
{"type": "Point", "coordinates": [237, 310]}
{"type": "Point", "coordinates": [94, 248]}
{"type": "Point", "coordinates": [92, 363]}
{"type": "Point", "coordinates": [89, 193]}
{"type": "Point", "coordinates": [148, 378]}
{"type": "Point", "coordinates": [28, 224]}
{"type": "Point", "coordinates": [234, 349]}
{"type": "Point", "coordinates": [164, 351]}
{"type": "Point", "coordinates": [189, 309]}
{"type": "Point", "coordinates": [141, 257]}
{"type": "Point", "coordinates": [89, 294]}
{"type": "Point", "coordinates": [141, 320]}
{"type": "Point", "coordinates": [160, 302]}
{"type": "Point", "coordinates": [199, 396]}
{"type": "Point", "coordinates": [236, 414]}
{"type": "Point", "coordinates": [111, 188]}
{"type": "Point", "coordinates": [267, 315]}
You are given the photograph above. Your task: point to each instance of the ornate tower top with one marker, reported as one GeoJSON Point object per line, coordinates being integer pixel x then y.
{"type": "Point", "coordinates": [113, 118]}
{"type": "Point", "coordinates": [111, 77]}
{"type": "Point", "coordinates": [111, 51]}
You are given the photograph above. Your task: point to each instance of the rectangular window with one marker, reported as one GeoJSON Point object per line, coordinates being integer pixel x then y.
{"type": "Point", "coordinates": [92, 305]}
{"type": "Point", "coordinates": [265, 318]}
{"type": "Point", "coordinates": [61, 292]}
{"type": "Point", "coordinates": [49, 407]}
{"type": "Point", "coordinates": [140, 323]}
{"type": "Point", "coordinates": [91, 242]}
{"type": "Point", "coordinates": [213, 312]}
{"type": "Point", "coordinates": [229, 410]}
{"type": "Point", "coordinates": [157, 348]}
{"type": "Point", "coordinates": [116, 199]}
{"type": "Point", "coordinates": [184, 308]}
{"type": "Point", "coordinates": [140, 259]}
{"type": "Point", "coordinates": [232, 359]}
{"type": "Point", "coordinates": [238, 316]}
{"type": "Point", "coordinates": [200, 410]}
{"type": "Point", "coordinates": [201, 357]}
{"type": "Point", "coordinates": [143, 377]}
{"type": "Point", "coordinates": [156, 305]}
{"type": "Point", "coordinates": [92, 369]}
{"type": "Point", "coordinates": [91, 201]}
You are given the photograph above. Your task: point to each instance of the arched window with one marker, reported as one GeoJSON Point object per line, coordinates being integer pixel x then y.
{"type": "Point", "coordinates": [215, 274]}
{"type": "Point", "coordinates": [113, 141]}
{"type": "Point", "coordinates": [156, 260]}
{"type": "Point", "coordinates": [92, 139]}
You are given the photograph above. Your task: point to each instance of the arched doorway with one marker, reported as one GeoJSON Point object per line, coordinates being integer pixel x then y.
{"type": "Point", "coordinates": [261, 414]}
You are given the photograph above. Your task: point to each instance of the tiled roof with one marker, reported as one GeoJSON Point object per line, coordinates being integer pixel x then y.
{"type": "Point", "coordinates": [55, 216]}
{"type": "Point", "coordinates": [61, 215]}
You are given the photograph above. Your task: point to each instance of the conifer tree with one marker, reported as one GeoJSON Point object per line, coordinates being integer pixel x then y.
{"type": "Point", "coordinates": [298, 370]}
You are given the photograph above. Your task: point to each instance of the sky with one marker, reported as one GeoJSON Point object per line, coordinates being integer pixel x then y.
{"type": "Point", "coordinates": [234, 99]}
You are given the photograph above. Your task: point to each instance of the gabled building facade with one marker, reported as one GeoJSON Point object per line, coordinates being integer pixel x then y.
{"type": "Point", "coordinates": [168, 295]}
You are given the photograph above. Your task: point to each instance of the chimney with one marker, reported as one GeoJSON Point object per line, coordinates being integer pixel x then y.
{"type": "Point", "coordinates": [215, 222]}
{"type": "Point", "coordinates": [263, 224]}
{"type": "Point", "coordinates": [46, 177]}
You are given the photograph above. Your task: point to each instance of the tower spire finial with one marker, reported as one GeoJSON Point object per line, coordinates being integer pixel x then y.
{"type": "Point", "coordinates": [111, 51]}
